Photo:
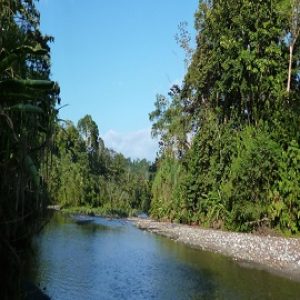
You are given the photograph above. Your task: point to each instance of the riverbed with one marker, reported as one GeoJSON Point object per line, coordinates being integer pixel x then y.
{"type": "Point", "coordinates": [111, 259]}
{"type": "Point", "coordinates": [275, 254]}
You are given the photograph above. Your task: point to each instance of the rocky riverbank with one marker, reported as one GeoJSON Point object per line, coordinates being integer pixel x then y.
{"type": "Point", "coordinates": [275, 254]}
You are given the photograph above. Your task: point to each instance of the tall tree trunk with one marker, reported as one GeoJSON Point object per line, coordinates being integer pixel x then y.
{"type": "Point", "coordinates": [288, 88]}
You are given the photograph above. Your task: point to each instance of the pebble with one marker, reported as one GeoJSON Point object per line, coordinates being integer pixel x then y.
{"type": "Point", "coordinates": [278, 254]}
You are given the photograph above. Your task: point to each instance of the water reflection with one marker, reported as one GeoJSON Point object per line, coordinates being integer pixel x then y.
{"type": "Point", "coordinates": [231, 281]}
{"type": "Point", "coordinates": [111, 259]}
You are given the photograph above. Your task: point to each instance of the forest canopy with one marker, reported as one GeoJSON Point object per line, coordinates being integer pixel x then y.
{"type": "Point", "coordinates": [229, 135]}
{"type": "Point", "coordinates": [87, 176]}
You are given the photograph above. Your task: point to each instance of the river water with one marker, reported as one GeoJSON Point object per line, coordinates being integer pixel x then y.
{"type": "Point", "coordinates": [111, 259]}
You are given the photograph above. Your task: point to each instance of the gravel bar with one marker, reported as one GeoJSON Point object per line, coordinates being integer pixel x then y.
{"type": "Point", "coordinates": [275, 254]}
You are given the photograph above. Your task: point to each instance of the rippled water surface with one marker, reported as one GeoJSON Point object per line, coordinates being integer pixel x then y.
{"type": "Point", "coordinates": [111, 259]}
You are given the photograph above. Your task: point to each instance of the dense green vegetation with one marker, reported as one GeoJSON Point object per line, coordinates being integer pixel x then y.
{"type": "Point", "coordinates": [27, 115]}
{"type": "Point", "coordinates": [87, 177]}
{"type": "Point", "coordinates": [229, 136]}
{"type": "Point", "coordinates": [42, 160]}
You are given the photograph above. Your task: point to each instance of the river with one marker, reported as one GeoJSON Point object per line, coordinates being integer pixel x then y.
{"type": "Point", "coordinates": [111, 259]}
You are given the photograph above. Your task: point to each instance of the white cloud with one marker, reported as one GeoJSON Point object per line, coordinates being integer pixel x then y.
{"type": "Point", "coordinates": [136, 144]}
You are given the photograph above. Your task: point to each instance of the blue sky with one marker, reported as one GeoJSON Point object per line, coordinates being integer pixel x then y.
{"type": "Point", "coordinates": [111, 58]}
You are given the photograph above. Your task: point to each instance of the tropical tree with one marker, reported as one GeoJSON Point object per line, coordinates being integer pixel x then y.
{"type": "Point", "coordinates": [242, 126]}
{"type": "Point", "coordinates": [293, 34]}
{"type": "Point", "coordinates": [27, 116]}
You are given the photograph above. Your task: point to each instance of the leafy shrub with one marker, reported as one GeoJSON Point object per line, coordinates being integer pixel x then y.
{"type": "Point", "coordinates": [285, 207]}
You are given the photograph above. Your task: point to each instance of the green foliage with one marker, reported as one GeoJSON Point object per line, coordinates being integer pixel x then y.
{"type": "Point", "coordinates": [240, 169]}
{"type": "Point", "coordinates": [84, 173]}
{"type": "Point", "coordinates": [208, 169]}
{"type": "Point", "coordinates": [284, 210]}
{"type": "Point", "coordinates": [240, 62]}
{"type": "Point", "coordinates": [166, 189]}
{"type": "Point", "coordinates": [254, 169]}
{"type": "Point", "coordinates": [170, 123]}
{"type": "Point", "coordinates": [27, 114]}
